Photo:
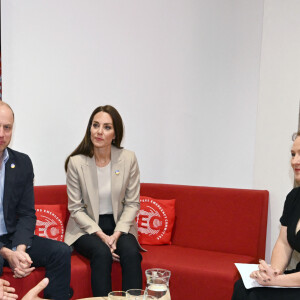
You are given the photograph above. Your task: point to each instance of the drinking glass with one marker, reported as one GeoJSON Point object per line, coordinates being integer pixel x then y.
{"type": "Point", "coordinates": [135, 294]}
{"type": "Point", "coordinates": [117, 295]}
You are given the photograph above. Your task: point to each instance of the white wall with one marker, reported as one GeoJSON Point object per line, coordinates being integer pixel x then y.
{"type": "Point", "coordinates": [184, 74]}
{"type": "Point", "coordinates": [278, 106]}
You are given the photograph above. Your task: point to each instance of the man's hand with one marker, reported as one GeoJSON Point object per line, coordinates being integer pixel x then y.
{"type": "Point", "coordinates": [7, 292]}
{"type": "Point", "coordinates": [19, 261]}
{"type": "Point", "coordinates": [34, 292]}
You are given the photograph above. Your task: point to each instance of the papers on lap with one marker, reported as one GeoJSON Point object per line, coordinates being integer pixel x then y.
{"type": "Point", "coordinates": [245, 271]}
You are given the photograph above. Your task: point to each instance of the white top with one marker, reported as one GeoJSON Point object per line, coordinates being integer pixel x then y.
{"type": "Point", "coordinates": [104, 186]}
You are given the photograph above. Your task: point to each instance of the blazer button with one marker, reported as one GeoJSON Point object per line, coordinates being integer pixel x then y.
{"type": "Point", "coordinates": [85, 206]}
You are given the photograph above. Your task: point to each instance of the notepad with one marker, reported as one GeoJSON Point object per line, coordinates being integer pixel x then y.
{"type": "Point", "coordinates": [249, 283]}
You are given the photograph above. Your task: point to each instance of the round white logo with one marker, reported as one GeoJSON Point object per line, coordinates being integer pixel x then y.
{"type": "Point", "coordinates": [152, 219]}
{"type": "Point", "coordinates": [49, 225]}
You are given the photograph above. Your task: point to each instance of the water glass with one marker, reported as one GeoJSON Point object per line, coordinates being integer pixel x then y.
{"type": "Point", "coordinates": [135, 294]}
{"type": "Point", "coordinates": [117, 295]}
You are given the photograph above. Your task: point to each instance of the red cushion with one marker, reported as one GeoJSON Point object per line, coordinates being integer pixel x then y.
{"type": "Point", "coordinates": [155, 221]}
{"type": "Point", "coordinates": [219, 218]}
{"type": "Point", "coordinates": [51, 221]}
{"type": "Point", "coordinates": [209, 274]}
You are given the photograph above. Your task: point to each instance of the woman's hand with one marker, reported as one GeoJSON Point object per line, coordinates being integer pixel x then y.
{"type": "Point", "coordinates": [113, 240]}
{"type": "Point", "coordinates": [266, 275]}
{"type": "Point", "coordinates": [113, 244]}
{"type": "Point", "coordinates": [104, 237]}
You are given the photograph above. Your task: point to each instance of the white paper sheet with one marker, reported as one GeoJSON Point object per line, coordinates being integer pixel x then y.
{"type": "Point", "coordinates": [245, 271]}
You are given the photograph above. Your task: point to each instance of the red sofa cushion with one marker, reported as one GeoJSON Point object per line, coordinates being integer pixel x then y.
{"type": "Point", "coordinates": [51, 194]}
{"type": "Point", "coordinates": [212, 274]}
{"type": "Point", "coordinates": [155, 221]}
{"type": "Point", "coordinates": [207, 274]}
{"type": "Point", "coordinates": [51, 221]}
{"type": "Point", "coordinates": [216, 219]}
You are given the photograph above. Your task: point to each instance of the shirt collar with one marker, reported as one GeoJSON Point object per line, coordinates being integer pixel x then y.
{"type": "Point", "coordinates": [6, 156]}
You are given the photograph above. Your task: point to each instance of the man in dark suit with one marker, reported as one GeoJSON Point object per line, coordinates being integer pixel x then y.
{"type": "Point", "coordinates": [19, 247]}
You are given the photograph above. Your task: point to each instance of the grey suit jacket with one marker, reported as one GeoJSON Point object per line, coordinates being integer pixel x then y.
{"type": "Point", "coordinates": [83, 196]}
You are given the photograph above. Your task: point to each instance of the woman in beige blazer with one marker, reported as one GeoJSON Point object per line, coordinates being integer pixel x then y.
{"type": "Point", "coordinates": [103, 183]}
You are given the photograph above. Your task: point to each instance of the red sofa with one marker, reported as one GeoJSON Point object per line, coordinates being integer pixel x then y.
{"type": "Point", "coordinates": [214, 228]}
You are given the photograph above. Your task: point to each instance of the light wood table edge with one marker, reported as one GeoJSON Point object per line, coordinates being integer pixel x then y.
{"type": "Point", "coordinates": [94, 298]}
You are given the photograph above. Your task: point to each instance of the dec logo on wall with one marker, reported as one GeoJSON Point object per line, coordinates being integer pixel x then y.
{"type": "Point", "coordinates": [49, 224]}
{"type": "Point", "coordinates": [155, 221]}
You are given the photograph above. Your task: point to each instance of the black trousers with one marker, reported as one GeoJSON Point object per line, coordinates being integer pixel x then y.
{"type": "Point", "coordinates": [92, 247]}
{"type": "Point", "coordinates": [55, 257]}
{"type": "Point", "coordinates": [264, 293]}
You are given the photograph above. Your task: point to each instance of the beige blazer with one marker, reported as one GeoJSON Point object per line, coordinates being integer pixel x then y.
{"type": "Point", "coordinates": [83, 196]}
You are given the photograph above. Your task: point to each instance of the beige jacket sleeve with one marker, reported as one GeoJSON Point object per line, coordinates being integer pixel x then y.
{"type": "Point", "coordinates": [76, 204]}
{"type": "Point", "coordinates": [130, 199]}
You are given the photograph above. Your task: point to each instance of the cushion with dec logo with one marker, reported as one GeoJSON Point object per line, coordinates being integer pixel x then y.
{"type": "Point", "coordinates": [51, 221]}
{"type": "Point", "coordinates": [155, 221]}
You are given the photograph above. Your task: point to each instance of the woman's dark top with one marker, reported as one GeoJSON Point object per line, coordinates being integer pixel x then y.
{"type": "Point", "coordinates": [289, 218]}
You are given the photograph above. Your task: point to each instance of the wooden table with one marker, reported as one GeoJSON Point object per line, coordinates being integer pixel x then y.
{"type": "Point", "coordinates": [94, 298]}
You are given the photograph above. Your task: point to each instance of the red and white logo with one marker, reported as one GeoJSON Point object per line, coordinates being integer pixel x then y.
{"type": "Point", "coordinates": [49, 225]}
{"type": "Point", "coordinates": [152, 219]}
